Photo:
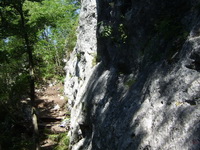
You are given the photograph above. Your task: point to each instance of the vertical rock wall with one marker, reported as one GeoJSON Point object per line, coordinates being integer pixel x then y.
{"type": "Point", "coordinates": [83, 59]}
{"type": "Point", "coordinates": [81, 63]}
{"type": "Point", "coordinates": [145, 92]}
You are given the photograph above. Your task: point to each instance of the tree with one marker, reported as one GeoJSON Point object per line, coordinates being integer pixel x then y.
{"type": "Point", "coordinates": [33, 35]}
{"type": "Point", "coordinates": [59, 22]}
{"type": "Point", "coordinates": [14, 24]}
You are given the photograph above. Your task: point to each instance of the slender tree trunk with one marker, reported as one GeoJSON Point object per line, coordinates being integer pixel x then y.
{"type": "Point", "coordinates": [32, 95]}
{"type": "Point", "coordinates": [29, 49]}
{"type": "Point", "coordinates": [32, 92]}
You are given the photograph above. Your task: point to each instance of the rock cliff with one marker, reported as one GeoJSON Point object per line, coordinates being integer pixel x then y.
{"type": "Point", "coordinates": [133, 78]}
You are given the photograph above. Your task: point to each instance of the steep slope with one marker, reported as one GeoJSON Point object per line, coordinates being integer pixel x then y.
{"type": "Point", "coordinates": [145, 91]}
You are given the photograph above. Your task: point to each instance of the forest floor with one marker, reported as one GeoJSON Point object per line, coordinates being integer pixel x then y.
{"type": "Point", "coordinates": [53, 117]}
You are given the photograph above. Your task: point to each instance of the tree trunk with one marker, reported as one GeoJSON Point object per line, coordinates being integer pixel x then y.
{"type": "Point", "coordinates": [32, 95]}
{"type": "Point", "coordinates": [29, 49]}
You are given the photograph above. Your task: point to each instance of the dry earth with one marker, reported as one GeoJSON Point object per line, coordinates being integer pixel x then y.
{"type": "Point", "coordinates": [52, 111]}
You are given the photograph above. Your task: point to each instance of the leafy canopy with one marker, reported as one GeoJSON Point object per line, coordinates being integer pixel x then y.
{"type": "Point", "coordinates": [45, 29]}
{"type": "Point", "coordinates": [56, 21]}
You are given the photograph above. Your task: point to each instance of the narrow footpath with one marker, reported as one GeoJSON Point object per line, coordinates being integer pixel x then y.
{"type": "Point", "coordinates": [53, 117]}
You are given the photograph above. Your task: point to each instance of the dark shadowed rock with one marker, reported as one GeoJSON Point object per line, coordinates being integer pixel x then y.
{"type": "Point", "coordinates": [133, 79]}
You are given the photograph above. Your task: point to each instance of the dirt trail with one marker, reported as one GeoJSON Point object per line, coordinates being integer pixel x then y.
{"type": "Point", "coordinates": [52, 115]}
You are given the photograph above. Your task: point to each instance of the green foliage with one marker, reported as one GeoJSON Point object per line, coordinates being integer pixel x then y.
{"type": "Point", "coordinates": [44, 27]}
{"type": "Point", "coordinates": [105, 29]}
{"type": "Point", "coordinates": [95, 59]}
{"type": "Point", "coordinates": [78, 55]}
{"type": "Point", "coordinates": [13, 69]}
{"type": "Point", "coordinates": [116, 33]}
{"type": "Point", "coordinates": [129, 82]}
{"type": "Point", "coordinates": [57, 21]}
{"type": "Point", "coordinates": [62, 139]}
{"type": "Point", "coordinates": [71, 38]}
{"type": "Point", "coordinates": [63, 142]}
{"type": "Point", "coordinates": [123, 33]}
{"type": "Point", "coordinates": [14, 75]}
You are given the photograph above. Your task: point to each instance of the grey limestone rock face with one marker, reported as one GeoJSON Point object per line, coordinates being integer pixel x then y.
{"type": "Point", "coordinates": [82, 60]}
{"type": "Point", "coordinates": [145, 92]}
